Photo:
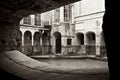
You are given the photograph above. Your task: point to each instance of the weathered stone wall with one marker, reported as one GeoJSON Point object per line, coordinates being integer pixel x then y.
{"type": "Point", "coordinates": [9, 36]}
{"type": "Point", "coordinates": [90, 50]}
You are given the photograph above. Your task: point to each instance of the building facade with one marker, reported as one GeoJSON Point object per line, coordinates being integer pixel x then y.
{"type": "Point", "coordinates": [74, 29]}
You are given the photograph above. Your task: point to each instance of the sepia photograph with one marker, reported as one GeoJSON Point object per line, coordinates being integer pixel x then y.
{"type": "Point", "coordinates": [55, 40]}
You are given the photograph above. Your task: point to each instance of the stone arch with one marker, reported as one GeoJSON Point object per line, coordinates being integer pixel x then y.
{"type": "Point", "coordinates": [37, 36]}
{"type": "Point", "coordinates": [90, 43]}
{"type": "Point", "coordinates": [57, 36]}
{"type": "Point", "coordinates": [45, 40]}
{"type": "Point", "coordinates": [37, 47]}
{"type": "Point", "coordinates": [80, 38]}
{"type": "Point", "coordinates": [80, 47]}
{"type": "Point", "coordinates": [19, 40]}
{"type": "Point", "coordinates": [91, 37]}
{"type": "Point", "coordinates": [27, 42]}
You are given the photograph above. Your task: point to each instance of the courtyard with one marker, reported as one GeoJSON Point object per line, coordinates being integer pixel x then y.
{"type": "Point", "coordinates": [66, 42]}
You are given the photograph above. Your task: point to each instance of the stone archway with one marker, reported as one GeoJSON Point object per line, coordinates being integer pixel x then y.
{"type": "Point", "coordinates": [80, 38]}
{"type": "Point", "coordinates": [58, 46]}
{"type": "Point", "coordinates": [80, 47]}
{"type": "Point", "coordinates": [45, 45]}
{"type": "Point", "coordinates": [28, 43]}
{"type": "Point", "coordinates": [19, 40]}
{"type": "Point", "coordinates": [36, 46]}
{"type": "Point", "coordinates": [90, 43]}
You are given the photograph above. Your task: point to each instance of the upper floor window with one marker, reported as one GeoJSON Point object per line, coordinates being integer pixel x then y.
{"type": "Point", "coordinates": [57, 15]}
{"type": "Point", "coordinates": [67, 13]}
{"type": "Point", "coordinates": [38, 19]}
{"type": "Point", "coordinates": [27, 20]}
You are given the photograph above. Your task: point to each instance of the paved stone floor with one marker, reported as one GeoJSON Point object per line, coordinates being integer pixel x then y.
{"type": "Point", "coordinates": [25, 67]}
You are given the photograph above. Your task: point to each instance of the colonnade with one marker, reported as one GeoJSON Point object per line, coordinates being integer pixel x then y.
{"type": "Point", "coordinates": [34, 42]}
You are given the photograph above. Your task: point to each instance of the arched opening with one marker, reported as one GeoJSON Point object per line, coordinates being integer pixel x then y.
{"type": "Point", "coordinates": [80, 38]}
{"type": "Point", "coordinates": [19, 40]}
{"type": "Point", "coordinates": [37, 47]}
{"type": "Point", "coordinates": [27, 42]}
{"type": "Point", "coordinates": [90, 43]}
{"type": "Point", "coordinates": [45, 45]}
{"type": "Point", "coordinates": [102, 45]}
{"type": "Point", "coordinates": [80, 48]}
{"type": "Point", "coordinates": [57, 36]}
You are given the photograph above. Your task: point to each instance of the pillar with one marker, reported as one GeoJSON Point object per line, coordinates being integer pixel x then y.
{"type": "Point", "coordinates": [63, 45]}
{"type": "Point", "coordinates": [32, 40]}
{"type": "Point", "coordinates": [41, 40]}
{"type": "Point", "coordinates": [8, 36]}
{"type": "Point", "coordinates": [32, 20]}
{"type": "Point", "coordinates": [61, 14]}
{"type": "Point", "coordinates": [22, 42]}
{"type": "Point", "coordinates": [97, 44]}
{"type": "Point", "coordinates": [53, 16]}
{"type": "Point", "coordinates": [72, 21]}
{"type": "Point", "coordinates": [85, 43]}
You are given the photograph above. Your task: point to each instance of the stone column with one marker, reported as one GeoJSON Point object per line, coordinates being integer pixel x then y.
{"type": "Point", "coordinates": [32, 39]}
{"type": "Point", "coordinates": [32, 20]}
{"type": "Point", "coordinates": [22, 42]}
{"type": "Point", "coordinates": [32, 42]}
{"type": "Point", "coordinates": [41, 40]}
{"type": "Point", "coordinates": [97, 44]}
{"type": "Point", "coordinates": [8, 36]}
{"type": "Point", "coordinates": [61, 14]}
{"type": "Point", "coordinates": [53, 16]}
{"type": "Point", "coordinates": [72, 8]}
{"type": "Point", "coordinates": [85, 43]}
